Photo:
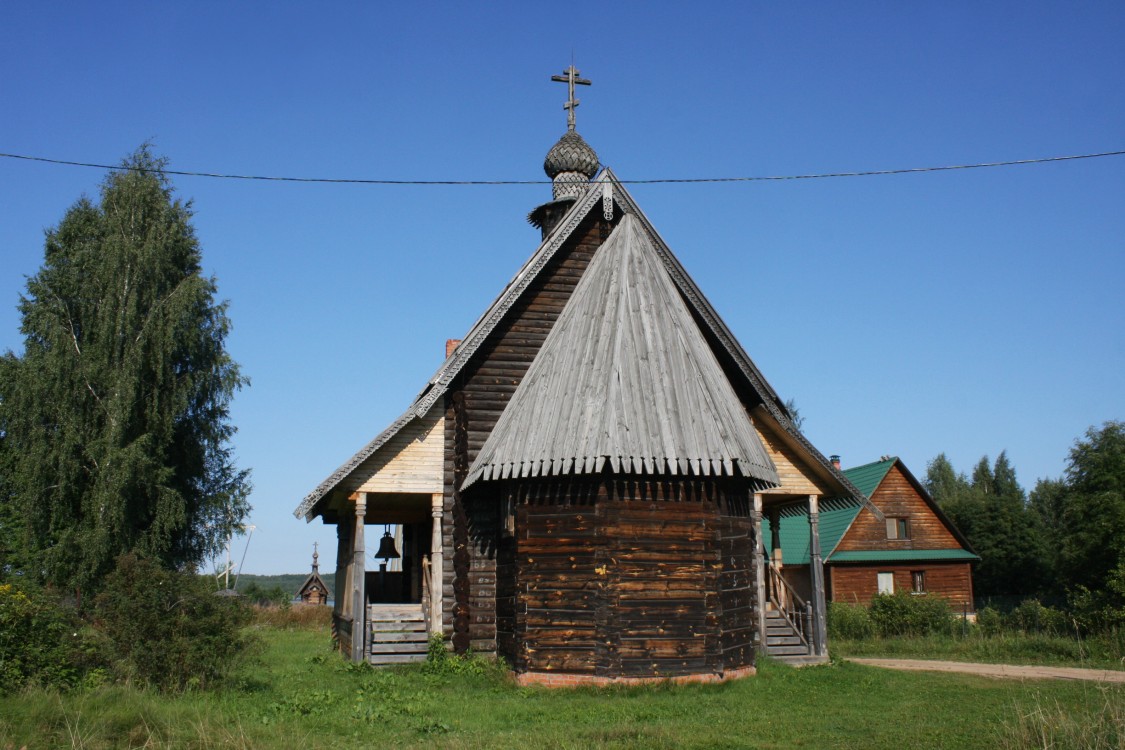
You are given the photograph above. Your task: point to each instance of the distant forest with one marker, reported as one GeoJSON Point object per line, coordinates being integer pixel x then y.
{"type": "Point", "coordinates": [287, 582]}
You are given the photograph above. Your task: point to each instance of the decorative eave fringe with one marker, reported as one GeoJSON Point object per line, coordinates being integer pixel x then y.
{"type": "Point", "coordinates": [634, 465]}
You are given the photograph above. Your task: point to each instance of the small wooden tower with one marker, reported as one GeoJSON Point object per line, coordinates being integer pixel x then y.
{"type": "Point", "coordinates": [314, 590]}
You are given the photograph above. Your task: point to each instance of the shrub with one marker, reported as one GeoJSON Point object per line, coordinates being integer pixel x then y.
{"type": "Point", "coordinates": [904, 613]}
{"type": "Point", "coordinates": [40, 639]}
{"type": "Point", "coordinates": [264, 597]}
{"type": "Point", "coordinates": [851, 621]}
{"type": "Point", "coordinates": [166, 629]}
{"type": "Point", "coordinates": [1102, 610]}
{"type": "Point", "coordinates": [1032, 617]}
{"type": "Point", "coordinates": [989, 621]}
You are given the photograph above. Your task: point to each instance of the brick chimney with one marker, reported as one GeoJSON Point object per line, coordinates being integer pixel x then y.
{"type": "Point", "coordinates": [835, 462]}
{"type": "Point", "coordinates": [450, 345]}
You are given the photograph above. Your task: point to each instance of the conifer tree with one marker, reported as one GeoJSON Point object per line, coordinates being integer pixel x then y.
{"type": "Point", "coordinates": [115, 417]}
{"type": "Point", "coordinates": [1008, 536]}
{"type": "Point", "coordinates": [991, 511]}
{"type": "Point", "coordinates": [952, 492]}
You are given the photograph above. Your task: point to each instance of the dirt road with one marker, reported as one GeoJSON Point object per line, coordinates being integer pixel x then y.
{"type": "Point", "coordinates": [1007, 671]}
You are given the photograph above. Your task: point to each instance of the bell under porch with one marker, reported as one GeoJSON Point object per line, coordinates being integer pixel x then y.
{"type": "Point", "coordinates": [386, 600]}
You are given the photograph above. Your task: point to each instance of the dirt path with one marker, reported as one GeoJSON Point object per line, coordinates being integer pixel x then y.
{"type": "Point", "coordinates": [1007, 671]}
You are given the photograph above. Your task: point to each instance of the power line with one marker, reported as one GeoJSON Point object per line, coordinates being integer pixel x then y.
{"type": "Point", "coordinates": [685, 180]}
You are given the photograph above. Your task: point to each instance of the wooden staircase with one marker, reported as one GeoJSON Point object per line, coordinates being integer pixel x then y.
{"type": "Point", "coordinates": [396, 633]}
{"type": "Point", "coordinates": [789, 623]}
{"type": "Point", "coordinates": [784, 642]}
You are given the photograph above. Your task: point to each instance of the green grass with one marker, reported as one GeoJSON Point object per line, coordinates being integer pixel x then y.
{"type": "Point", "coordinates": [301, 695]}
{"type": "Point", "coordinates": [1096, 652]}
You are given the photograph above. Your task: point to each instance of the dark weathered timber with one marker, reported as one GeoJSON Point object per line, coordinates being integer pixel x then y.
{"type": "Point", "coordinates": [627, 577]}
{"type": "Point", "coordinates": [480, 616]}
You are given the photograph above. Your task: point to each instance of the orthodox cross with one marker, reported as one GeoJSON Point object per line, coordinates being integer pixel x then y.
{"type": "Point", "coordinates": [570, 77]}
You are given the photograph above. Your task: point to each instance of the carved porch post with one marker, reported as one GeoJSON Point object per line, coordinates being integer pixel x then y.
{"type": "Point", "coordinates": [816, 574]}
{"type": "Point", "coordinates": [359, 595]}
{"type": "Point", "coordinates": [437, 564]}
{"type": "Point", "coordinates": [759, 571]}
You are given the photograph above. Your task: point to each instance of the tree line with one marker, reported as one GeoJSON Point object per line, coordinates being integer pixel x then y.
{"type": "Point", "coordinates": [1064, 542]}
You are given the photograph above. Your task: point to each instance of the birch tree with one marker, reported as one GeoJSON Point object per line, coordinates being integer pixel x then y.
{"type": "Point", "coordinates": [115, 417]}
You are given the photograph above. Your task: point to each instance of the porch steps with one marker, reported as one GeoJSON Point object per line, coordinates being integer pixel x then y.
{"type": "Point", "coordinates": [784, 644]}
{"type": "Point", "coordinates": [398, 633]}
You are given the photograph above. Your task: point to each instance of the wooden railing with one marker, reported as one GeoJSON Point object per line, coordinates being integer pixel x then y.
{"type": "Point", "coordinates": [796, 611]}
{"type": "Point", "coordinates": [427, 587]}
{"type": "Point", "coordinates": [342, 632]}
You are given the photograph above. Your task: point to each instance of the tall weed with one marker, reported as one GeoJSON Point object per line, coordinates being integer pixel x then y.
{"type": "Point", "coordinates": [1048, 725]}
{"type": "Point", "coordinates": [295, 617]}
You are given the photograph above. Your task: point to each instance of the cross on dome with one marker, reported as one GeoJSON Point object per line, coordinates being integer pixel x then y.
{"type": "Point", "coordinates": [570, 77]}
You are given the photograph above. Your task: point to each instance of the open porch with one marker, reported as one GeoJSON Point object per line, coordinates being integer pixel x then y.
{"type": "Point", "coordinates": [793, 619]}
{"type": "Point", "coordinates": [385, 612]}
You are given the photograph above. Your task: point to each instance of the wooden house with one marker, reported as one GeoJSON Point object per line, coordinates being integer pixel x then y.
{"type": "Point", "coordinates": [314, 590]}
{"type": "Point", "coordinates": [581, 483]}
{"type": "Point", "coordinates": [910, 546]}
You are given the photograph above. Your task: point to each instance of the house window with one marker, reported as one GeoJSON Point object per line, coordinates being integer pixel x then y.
{"type": "Point", "coordinates": [918, 581]}
{"type": "Point", "coordinates": [898, 528]}
{"type": "Point", "coordinates": [886, 583]}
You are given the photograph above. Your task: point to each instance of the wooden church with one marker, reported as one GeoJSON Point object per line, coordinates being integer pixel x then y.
{"type": "Point", "coordinates": [314, 590]}
{"type": "Point", "coordinates": [581, 484]}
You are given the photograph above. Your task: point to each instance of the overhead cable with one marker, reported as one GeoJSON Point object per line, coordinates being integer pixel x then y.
{"type": "Point", "coordinates": [672, 180]}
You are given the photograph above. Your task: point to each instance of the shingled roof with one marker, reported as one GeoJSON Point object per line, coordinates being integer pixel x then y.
{"type": "Point", "coordinates": [603, 189]}
{"type": "Point", "coordinates": [624, 378]}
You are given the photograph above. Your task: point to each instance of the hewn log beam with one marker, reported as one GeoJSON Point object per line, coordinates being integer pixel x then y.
{"type": "Point", "coordinates": [359, 595]}
{"type": "Point", "coordinates": [759, 572]}
{"type": "Point", "coordinates": [816, 574]}
{"type": "Point", "coordinates": [437, 566]}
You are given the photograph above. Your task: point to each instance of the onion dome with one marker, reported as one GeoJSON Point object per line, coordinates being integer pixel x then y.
{"type": "Point", "coordinates": [571, 154]}
{"type": "Point", "coordinates": [571, 164]}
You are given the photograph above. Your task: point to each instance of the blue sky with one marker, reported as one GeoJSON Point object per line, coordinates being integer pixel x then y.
{"type": "Point", "coordinates": [967, 312]}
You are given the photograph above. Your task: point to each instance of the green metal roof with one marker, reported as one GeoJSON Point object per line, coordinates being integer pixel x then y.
{"type": "Point", "coordinates": [836, 515]}
{"type": "Point", "coordinates": [899, 555]}
{"type": "Point", "coordinates": [867, 478]}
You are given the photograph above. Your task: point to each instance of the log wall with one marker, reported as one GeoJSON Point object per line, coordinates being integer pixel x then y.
{"type": "Point", "coordinates": [626, 578]}
{"type": "Point", "coordinates": [473, 405]}
{"type": "Point", "coordinates": [856, 584]}
{"type": "Point", "coordinates": [898, 498]}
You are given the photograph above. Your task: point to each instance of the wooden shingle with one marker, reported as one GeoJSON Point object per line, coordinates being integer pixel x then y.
{"type": "Point", "coordinates": [625, 379]}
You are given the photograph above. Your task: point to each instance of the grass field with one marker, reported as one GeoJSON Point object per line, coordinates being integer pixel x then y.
{"type": "Point", "coordinates": [299, 694]}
